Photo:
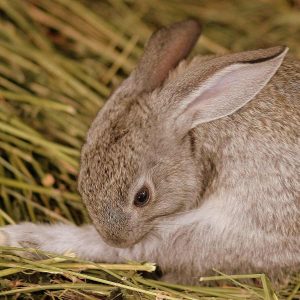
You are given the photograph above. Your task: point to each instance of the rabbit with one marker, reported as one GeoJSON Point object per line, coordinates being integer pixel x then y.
{"type": "Point", "coordinates": [191, 164]}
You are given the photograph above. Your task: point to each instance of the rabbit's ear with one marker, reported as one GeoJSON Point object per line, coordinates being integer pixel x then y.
{"type": "Point", "coordinates": [165, 49]}
{"type": "Point", "coordinates": [227, 89]}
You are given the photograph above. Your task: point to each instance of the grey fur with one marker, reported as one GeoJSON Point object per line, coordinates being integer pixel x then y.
{"type": "Point", "coordinates": [224, 194]}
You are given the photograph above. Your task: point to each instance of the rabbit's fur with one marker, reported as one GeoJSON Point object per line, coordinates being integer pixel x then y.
{"type": "Point", "coordinates": [216, 141]}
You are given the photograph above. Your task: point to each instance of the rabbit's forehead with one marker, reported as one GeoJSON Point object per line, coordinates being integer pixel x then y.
{"type": "Point", "coordinates": [117, 145]}
{"type": "Point", "coordinates": [120, 115]}
{"type": "Point", "coordinates": [109, 166]}
{"type": "Point", "coordinates": [126, 127]}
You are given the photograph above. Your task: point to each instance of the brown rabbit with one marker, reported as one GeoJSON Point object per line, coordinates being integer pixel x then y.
{"type": "Point", "coordinates": [192, 165]}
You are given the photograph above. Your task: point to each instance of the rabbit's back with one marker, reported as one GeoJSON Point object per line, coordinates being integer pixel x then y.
{"type": "Point", "coordinates": [255, 153]}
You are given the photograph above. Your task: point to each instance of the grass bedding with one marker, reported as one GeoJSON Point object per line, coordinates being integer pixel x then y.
{"type": "Point", "coordinates": [59, 60]}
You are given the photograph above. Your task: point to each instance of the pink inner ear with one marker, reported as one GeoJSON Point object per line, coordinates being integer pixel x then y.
{"type": "Point", "coordinates": [228, 90]}
{"type": "Point", "coordinates": [219, 86]}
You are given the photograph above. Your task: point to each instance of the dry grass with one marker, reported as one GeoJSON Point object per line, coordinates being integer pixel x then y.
{"type": "Point", "coordinates": [59, 59]}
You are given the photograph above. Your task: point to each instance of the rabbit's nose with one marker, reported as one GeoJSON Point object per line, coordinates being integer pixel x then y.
{"type": "Point", "coordinates": [115, 220]}
{"type": "Point", "coordinates": [116, 239]}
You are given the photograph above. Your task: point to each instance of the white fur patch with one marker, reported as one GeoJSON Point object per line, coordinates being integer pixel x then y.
{"type": "Point", "coordinates": [3, 238]}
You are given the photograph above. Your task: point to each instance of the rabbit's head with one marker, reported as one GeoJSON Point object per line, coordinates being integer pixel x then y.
{"type": "Point", "coordinates": [137, 164]}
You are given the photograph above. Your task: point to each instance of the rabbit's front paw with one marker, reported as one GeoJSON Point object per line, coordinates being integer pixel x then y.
{"type": "Point", "coordinates": [24, 235]}
{"type": "Point", "coordinates": [3, 238]}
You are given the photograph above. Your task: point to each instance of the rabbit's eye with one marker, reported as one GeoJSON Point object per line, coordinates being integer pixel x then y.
{"type": "Point", "coordinates": [142, 197]}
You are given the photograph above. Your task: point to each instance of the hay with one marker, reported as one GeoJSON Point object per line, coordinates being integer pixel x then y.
{"type": "Point", "coordinates": [59, 59]}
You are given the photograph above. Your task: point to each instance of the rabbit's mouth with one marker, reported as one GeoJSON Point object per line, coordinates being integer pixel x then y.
{"type": "Point", "coordinates": [132, 237]}
{"type": "Point", "coordinates": [123, 243]}
{"type": "Point", "coordinates": [118, 243]}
